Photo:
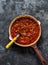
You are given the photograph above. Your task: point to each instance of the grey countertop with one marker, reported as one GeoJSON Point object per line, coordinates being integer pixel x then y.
{"type": "Point", "coordinates": [16, 55]}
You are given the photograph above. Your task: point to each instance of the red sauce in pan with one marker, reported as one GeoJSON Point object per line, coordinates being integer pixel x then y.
{"type": "Point", "coordinates": [28, 28]}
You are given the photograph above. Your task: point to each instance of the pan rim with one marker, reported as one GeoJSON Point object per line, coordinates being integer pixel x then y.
{"type": "Point", "coordinates": [20, 16]}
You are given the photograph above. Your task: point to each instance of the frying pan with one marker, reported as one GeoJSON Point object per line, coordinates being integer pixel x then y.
{"type": "Point", "coordinates": [33, 45]}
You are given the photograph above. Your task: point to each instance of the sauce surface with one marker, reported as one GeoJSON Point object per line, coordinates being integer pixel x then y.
{"type": "Point", "coordinates": [28, 28]}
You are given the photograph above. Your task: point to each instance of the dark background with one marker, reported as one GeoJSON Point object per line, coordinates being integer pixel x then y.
{"type": "Point", "coordinates": [15, 55]}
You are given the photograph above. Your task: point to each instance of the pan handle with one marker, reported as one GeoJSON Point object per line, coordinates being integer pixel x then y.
{"type": "Point", "coordinates": [43, 61]}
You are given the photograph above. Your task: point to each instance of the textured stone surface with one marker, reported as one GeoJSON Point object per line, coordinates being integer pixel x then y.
{"type": "Point", "coordinates": [16, 55]}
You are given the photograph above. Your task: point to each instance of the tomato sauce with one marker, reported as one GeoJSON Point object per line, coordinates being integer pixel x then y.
{"type": "Point", "coordinates": [28, 28]}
